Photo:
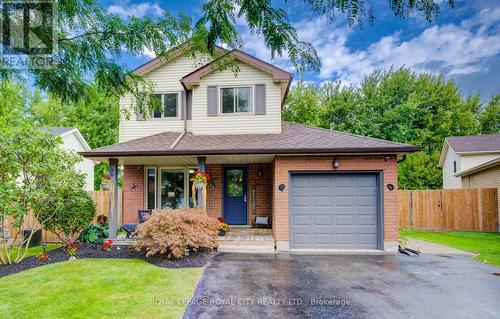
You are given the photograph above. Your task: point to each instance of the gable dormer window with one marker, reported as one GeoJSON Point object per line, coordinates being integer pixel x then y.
{"type": "Point", "coordinates": [170, 103]}
{"type": "Point", "coordinates": [236, 100]}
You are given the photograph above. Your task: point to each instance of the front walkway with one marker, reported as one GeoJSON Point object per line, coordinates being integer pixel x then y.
{"type": "Point", "coordinates": [345, 286]}
{"type": "Point", "coordinates": [427, 247]}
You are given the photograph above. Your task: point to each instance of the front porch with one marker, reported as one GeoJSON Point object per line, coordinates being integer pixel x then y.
{"type": "Point", "coordinates": [239, 239]}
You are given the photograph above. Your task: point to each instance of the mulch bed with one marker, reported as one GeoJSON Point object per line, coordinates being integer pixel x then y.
{"type": "Point", "coordinates": [195, 259]}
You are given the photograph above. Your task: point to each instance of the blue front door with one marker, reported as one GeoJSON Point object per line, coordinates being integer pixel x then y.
{"type": "Point", "coordinates": [235, 195]}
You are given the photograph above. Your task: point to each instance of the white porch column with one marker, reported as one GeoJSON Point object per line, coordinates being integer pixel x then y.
{"type": "Point", "coordinates": [113, 220]}
{"type": "Point", "coordinates": [201, 166]}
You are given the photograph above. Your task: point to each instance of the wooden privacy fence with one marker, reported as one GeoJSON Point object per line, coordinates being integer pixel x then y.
{"type": "Point", "coordinates": [474, 209]}
{"type": "Point", "coordinates": [102, 200]}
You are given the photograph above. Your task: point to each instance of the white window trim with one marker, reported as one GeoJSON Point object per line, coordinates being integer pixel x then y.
{"type": "Point", "coordinates": [252, 108]}
{"type": "Point", "coordinates": [146, 190]}
{"type": "Point", "coordinates": [178, 111]}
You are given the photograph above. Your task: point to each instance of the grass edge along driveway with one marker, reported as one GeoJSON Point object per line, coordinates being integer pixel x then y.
{"type": "Point", "coordinates": [487, 245]}
{"type": "Point", "coordinates": [97, 288]}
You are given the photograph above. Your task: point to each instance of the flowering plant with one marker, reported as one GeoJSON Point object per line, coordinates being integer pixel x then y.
{"type": "Point", "coordinates": [106, 246]}
{"type": "Point", "coordinates": [72, 249]}
{"type": "Point", "coordinates": [221, 219]}
{"type": "Point", "coordinates": [201, 177]}
{"type": "Point", "coordinates": [43, 256]}
{"type": "Point", "coordinates": [225, 227]}
{"type": "Point", "coordinates": [106, 179]}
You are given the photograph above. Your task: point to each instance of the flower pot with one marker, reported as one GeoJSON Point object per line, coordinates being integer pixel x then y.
{"type": "Point", "coordinates": [222, 232]}
{"type": "Point", "coordinates": [198, 185]}
{"type": "Point", "coordinates": [105, 187]}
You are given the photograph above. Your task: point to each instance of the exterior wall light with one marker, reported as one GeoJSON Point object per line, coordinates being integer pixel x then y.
{"type": "Point", "coordinates": [259, 172]}
{"type": "Point", "coordinates": [336, 163]}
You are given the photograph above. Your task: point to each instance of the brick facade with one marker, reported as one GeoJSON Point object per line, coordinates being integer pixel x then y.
{"type": "Point", "coordinates": [214, 190]}
{"type": "Point", "coordinates": [282, 165]}
{"type": "Point", "coordinates": [133, 199]}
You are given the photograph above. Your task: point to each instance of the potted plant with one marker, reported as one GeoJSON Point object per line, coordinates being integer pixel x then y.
{"type": "Point", "coordinates": [200, 179]}
{"type": "Point", "coordinates": [223, 229]}
{"type": "Point", "coordinates": [105, 182]}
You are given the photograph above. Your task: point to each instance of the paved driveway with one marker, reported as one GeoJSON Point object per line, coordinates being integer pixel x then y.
{"type": "Point", "coordinates": [346, 286]}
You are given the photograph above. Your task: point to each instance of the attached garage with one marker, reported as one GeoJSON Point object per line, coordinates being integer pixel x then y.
{"type": "Point", "coordinates": [335, 210]}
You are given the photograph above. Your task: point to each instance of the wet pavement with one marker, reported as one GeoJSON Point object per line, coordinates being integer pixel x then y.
{"type": "Point", "coordinates": [346, 286]}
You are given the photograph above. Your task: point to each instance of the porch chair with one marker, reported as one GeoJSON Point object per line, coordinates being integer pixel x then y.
{"type": "Point", "coordinates": [143, 215]}
{"type": "Point", "coordinates": [262, 222]}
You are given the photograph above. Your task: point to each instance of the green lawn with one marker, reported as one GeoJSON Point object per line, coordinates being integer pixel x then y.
{"type": "Point", "coordinates": [487, 245]}
{"type": "Point", "coordinates": [97, 288]}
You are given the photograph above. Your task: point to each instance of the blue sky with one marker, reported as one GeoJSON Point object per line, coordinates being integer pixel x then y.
{"type": "Point", "coordinates": [462, 44]}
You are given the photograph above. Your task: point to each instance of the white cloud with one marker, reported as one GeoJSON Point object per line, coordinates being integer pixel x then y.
{"type": "Point", "coordinates": [138, 10]}
{"type": "Point", "coordinates": [449, 49]}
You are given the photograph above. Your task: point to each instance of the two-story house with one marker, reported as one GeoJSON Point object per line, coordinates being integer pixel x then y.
{"type": "Point", "coordinates": [471, 161]}
{"type": "Point", "coordinates": [324, 189]}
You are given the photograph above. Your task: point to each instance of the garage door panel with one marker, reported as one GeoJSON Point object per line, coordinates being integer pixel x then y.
{"type": "Point", "coordinates": [301, 182]}
{"type": "Point", "coordinates": [334, 211]}
{"type": "Point", "coordinates": [321, 220]}
{"type": "Point", "coordinates": [301, 201]}
{"type": "Point", "coordinates": [343, 181]}
{"type": "Point", "coordinates": [301, 220]}
{"type": "Point", "coordinates": [321, 181]}
{"type": "Point", "coordinates": [344, 220]}
{"type": "Point", "coordinates": [323, 238]}
{"type": "Point", "coordinates": [344, 201]}
{"type": "Point", "coordinates": [322, 200]}
{"type": "Point", "coordinates": [366, 219]}
{"type": "Point", "coordinates": [302, 238]}
{"type": "Point", "coordinates": [364, 200]}
{"type": "Point", "coordinates": [344, 239]}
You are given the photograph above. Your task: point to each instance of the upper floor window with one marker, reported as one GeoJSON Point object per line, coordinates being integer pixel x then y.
{"type": "Point", "coordinates": [170, 103]}
{"type": "Point", "coordinates": [236, 100]}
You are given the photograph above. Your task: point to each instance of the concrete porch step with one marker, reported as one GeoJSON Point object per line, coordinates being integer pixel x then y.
{"type": "Point", "coordinates": [257, 243]}
{"type": "Point", "coordinates": [249, 249]}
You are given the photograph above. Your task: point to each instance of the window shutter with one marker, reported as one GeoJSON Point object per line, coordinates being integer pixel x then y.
{"type": "Point", "coordinates": [212, 101]}
{"type": "Point", "coordinates": [183, 104]}
{"type": "Point", "coordinates": [260, 99]}
{"type": "Point", "coordinates": [189, 104]}
{"type": "Point", "coordinates": [138, 115]}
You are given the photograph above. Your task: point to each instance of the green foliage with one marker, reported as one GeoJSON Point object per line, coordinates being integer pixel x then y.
{"type": "Point", "coordinates": [401, 106]}
{"type": "Point", "coordinates": [91, 39]}
{"type": "Point", "coordinates": [33, 169]}
{"type": "Point", "coordinates": [94, 234]}
{"type": "Point", "coordinates": [97, 119]}
{"type": "Point", "coordinates": [490, 118]}
{"type": "Point", "coordinates": [67, 213]}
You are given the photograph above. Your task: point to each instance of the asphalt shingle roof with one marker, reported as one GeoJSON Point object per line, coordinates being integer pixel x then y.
{"type": "Point", "coordinates": [294, 139]}
{"type": "Point", "coordinates": [475, 143]}
{"type": "Point", "coordinates": [58, 130]}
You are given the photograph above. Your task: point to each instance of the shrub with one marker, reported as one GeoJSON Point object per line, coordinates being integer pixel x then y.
{"type": "Point", "coordinates": [102, 220]}
{"type": "Point", "coordinates": [67, 214]}
{"type": "Point", "coordinates": [94, 234]}
{"type": "Point", "coordinates": [171, 232]}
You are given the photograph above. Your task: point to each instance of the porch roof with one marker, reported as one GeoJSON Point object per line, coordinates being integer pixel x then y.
{"type": "Point", "coordinates": [293, 139]}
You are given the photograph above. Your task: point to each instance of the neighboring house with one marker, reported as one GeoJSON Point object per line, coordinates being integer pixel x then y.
{"type": "Point", "coordinates": [324, 189]}
{"type": "Point", "coordinates": [73, 140]}
{"type": "Point", "coordinates": [471, 161]}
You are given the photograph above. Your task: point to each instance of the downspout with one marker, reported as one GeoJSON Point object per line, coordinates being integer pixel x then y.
{"type": "Point", "coordinates": [184, 109]}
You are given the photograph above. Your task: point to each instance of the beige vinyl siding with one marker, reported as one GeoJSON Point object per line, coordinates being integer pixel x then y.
{"type": "Point", "coordinates": [166, 79]}
{"type": "Point", "coordinates": [489, 178]}
{"type": "Point", "coordinates": [237, 123]}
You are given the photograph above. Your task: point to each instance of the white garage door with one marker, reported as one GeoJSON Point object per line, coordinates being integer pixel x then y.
{"type": "Point", "coordinates": [334, 211]}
